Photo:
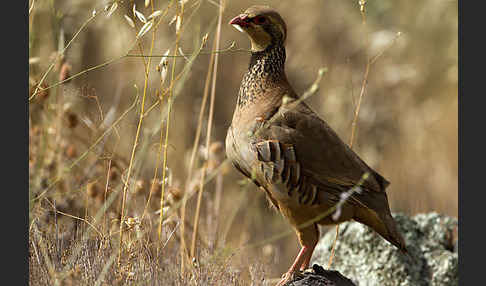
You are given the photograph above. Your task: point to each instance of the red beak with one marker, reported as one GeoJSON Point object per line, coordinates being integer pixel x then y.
{"type": "Point", "coordinates": [240, 20]}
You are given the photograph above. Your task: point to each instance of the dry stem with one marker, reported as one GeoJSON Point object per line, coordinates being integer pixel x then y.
{"type": "Point", "coordinates": [169, 108]}
{"type": "Point", "coordinates": [135, 143]}
{"type": "Point", "coordinates": [208, 135]}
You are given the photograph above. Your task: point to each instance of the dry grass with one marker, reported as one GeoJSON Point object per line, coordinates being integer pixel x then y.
{"type": "Point", "coordinates": [112, 141]}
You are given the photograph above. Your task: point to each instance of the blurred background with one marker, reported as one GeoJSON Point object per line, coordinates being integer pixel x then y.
{"type": "Point", "coordinates": [407, 127]}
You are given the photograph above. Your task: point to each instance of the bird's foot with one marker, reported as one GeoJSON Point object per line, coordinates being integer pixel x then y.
{"type": "Point", "coordinates": [289, 276]}
{"type": "Point", "coordinates": [308, 271]}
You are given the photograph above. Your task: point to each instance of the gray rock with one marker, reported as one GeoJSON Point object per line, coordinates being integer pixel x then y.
{"type": "Point", "coordinates": [368, 259]}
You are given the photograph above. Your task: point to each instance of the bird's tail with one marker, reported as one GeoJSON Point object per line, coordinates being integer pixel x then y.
{"type": "Point", "coordinates": [393, 235]}
{"type": "Point", "coordinates": [383, 224]}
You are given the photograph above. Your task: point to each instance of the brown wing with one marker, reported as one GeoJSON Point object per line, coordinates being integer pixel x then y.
{"type": "Point", "coordinates": [301, 153]}
{"type": "Point", "coordinates": [321, 154]}
{"type": "Point", "coordinates": [279, 167]}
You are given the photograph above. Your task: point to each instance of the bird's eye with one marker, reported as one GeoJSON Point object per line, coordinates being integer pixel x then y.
{"type": "Point", "coordinates": [260, 20]}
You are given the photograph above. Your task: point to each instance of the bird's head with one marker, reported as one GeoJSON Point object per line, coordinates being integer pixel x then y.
{"type": "Point", "coordinates": [264, 26]}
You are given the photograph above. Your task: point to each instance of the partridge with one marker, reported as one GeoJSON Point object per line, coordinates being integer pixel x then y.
{"type": "Point", "coordinates": [290, 153]}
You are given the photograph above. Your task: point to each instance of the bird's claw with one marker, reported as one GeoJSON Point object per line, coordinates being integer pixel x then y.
{"type": "Point", "coordinates": [288, 277]}
{"type": "Point", "coordinates": [308, 271]}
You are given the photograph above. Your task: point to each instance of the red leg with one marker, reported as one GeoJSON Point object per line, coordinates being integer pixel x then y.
{"type": "Point", "coordinates": [297, 263]}
{"type": "Point", "coordinates": [308, 257]}
{"type": "Point", "coordinates": [313, 238]}
{"type": "Point", "coordinates": [308, 238]}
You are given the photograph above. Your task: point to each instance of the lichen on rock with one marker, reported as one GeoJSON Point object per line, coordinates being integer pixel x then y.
{"type": "Point", "coordinates": [367, 259]}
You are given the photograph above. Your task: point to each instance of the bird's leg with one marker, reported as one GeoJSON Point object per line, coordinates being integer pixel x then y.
{"type": "Point", "coordinates": [308, 238]}
{"type": "Point", "coordinates": [287, 277]}
{"type": "Point", "coordinates": [313, 238]}
{"type": "Point", "coordinates": [308, 257]}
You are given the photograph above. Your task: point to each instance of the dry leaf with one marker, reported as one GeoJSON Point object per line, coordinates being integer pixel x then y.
{"type": "Point", "coordinates": [112, 9]}
{"type": "Point", "coordinates": [130, 21]}
{"type": "Point", "coordinates": [145, 29]}
{"type": "Point", "coordinates": [139, 15]}
{"type": "Point", "coordinates": [154, 14]}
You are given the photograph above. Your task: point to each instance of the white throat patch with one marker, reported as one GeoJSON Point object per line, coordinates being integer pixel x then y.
{"type": "Point", "coordinates": [237, 27]}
